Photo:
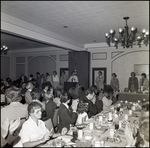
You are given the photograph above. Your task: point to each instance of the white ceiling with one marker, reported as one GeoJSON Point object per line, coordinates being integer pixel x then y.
{"type": "Point", "coordinates": [87, 21]}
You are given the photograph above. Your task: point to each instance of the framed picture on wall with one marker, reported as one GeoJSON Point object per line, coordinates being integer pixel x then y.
{"type": "Point", "coordinates": [95, 74]}
{"type": "Point", "coordinates": [141, 68]}
{"type": "Point", "coordinates": [64, 69]}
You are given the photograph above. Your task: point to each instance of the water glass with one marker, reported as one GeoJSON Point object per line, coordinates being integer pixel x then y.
{"type": "Point", "coordinates": [118, 108]}
{"type": "Point", "coordinates": [80, 134]}
{"type": "Point", "coordinates": [91, 126]}
{"type": "Point", "coordinates": [111, 132]}
{"type": "Point", "coordinates": [75, 135]}
{"type": "Point", "coordinates": [126, 116]}
{"type": "Point", "coordinates": [130, 112]}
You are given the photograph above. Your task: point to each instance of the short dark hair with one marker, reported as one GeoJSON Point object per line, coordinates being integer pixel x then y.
{"type": "Point", "coordinates": [58, 93]}
{"type": "Point", "coordinates": [55, 72]}
{"type": "Point", "coordinates": [31, 75]}
{"type": "Point", "coordinates": [32, 106]}
{"type": "Point", "coordinates": [44, 85]}
{"type": "Point", "coordinates": [35, 94]}
{"type": "Point", "coordinates": [64, 97]}
{"type": "Point", "coordinates": [38, 73]}
{"type": "Point", "coordinates": [133, 73]}
{"type": "Point", "coordinates": [100, 72]}
{"type": "Point", "coordinates": [89, 91]}
{"type": "Point", "coordinates": [114, 74]}
{"type": "Point", "coordinates": [63, 72]}
{"type": "Point", "coordinates": [143, 74]}
{"type": "Point", "coordinates": [82, 107]}
{"type": "Point", "coordinates": [73, 92]}
{"type": "Point", "coordinates": [108, 89]}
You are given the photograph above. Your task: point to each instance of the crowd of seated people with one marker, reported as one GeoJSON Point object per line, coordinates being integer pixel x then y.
{"type": "Point", "coordinates": [36, 102]}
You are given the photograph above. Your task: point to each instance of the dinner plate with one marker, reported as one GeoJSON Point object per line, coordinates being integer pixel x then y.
{"type": "Point", "coordinates": [115, 140]}
{"type": "Point", "coordinates": [80, 126]}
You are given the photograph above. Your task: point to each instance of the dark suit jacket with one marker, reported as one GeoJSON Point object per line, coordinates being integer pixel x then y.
{"type": "Point", "coordinates": [99, 105]}
{"type": "Point", "coordinates": [92, 107]}
{"type": "Point", "coordinates": [66, 117]}
{"type": "Point", "coordinates": [135, 81]}
{"type": "Point", "coordinates": [49, 110]}
{"type": "Point", "coordinates": [25, 79]}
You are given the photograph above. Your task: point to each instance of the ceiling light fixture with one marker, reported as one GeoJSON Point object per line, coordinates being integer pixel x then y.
{"type": "Point", "coordinates": [4, 50]}
{"type": "Point", "coordinates": [125, 38]}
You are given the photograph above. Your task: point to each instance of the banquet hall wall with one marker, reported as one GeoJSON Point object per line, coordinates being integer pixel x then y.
{"type": "Point", "coordinates": [27, 61]}
{"type": "Point", "coordinates": [121, 61]}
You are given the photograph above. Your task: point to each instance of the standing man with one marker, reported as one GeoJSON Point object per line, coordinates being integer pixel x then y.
{"type": "Point", "coordinates": [73, 77]}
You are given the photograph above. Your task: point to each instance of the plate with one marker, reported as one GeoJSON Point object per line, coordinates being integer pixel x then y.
{"type": "Point", "coordinates": [120, 132]}
{"type": "Point", "coordinates": [55, 143]}
{"type": "Point", "coordinates": [80, 126]}
{"type": "Point", "coordinates": [113, 140]}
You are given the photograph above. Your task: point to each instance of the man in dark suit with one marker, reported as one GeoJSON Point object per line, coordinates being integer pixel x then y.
{"type": "Point", "coordinates": [66, 116]}
{"type": "Point", "coordinates": [50, 107]}
{"type": "Point", "coordinates": [23, 78]}
{"type": "Point", "coordinates": [90, 99]}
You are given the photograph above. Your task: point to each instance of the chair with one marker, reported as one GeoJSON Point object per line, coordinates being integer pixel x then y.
{"type": "Point", "coordinates": [56, 119]}
{"type": "Point", "coordinates": [49, 125]}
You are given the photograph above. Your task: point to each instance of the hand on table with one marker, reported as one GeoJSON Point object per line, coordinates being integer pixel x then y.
{"type": "Point", "coordinates": [46, 137]}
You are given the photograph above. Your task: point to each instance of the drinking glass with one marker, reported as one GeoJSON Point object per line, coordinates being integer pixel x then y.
{"type": "Point", "coordinates": [116, 125]}
{"type": "Point", "coordinates": [118, 108]}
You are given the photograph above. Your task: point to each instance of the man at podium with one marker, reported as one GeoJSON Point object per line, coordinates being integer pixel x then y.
{"type": "Point", "coordinates": [73, 77]}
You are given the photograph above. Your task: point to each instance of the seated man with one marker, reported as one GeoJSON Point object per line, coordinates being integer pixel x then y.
{"type": "Point", "coordinates": [50, 106]}
{"type": "Point", "coordinates": [66, 116]}
{"type": "Point", "coordinates": [34, 131]}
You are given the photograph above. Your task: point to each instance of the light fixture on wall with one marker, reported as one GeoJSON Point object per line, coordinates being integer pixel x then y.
{"type": "Point", "coordinates": [127, 39]}
{"type": "Point", "coordinates": [4, 50]}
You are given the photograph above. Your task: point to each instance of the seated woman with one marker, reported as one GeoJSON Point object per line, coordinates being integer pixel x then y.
{"type": "Point", "coordinates": [107, 100]}
{"type": "Point", "coordinates": [66, 116]}
{"type": "Point", "coordinates": [57, 95]}
{"type": "Point", "coordinates": [35, 94]}
{"type": "Point", "coordinates": [98, 101]}
{"type": "Point", "coordinates": [34, 131]}
{"type": "Point", "coordinates": [82, 112]}
{"type": "Point", "coordinates": [90, 99]}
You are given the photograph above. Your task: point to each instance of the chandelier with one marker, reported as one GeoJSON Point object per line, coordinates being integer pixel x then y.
{"type": "Point", "coordinates": [4, 50]}
{"type": "Point", "coordinates": [125, 38]}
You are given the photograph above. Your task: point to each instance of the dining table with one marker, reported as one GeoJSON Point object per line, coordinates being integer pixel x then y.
{"type": "Point", "coordinates": [132, 96]}
{"type": "Point", "coordinates": [97, 130]}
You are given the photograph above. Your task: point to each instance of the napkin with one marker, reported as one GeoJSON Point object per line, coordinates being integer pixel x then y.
{"type": "Point", "coordinates": [83, 143]}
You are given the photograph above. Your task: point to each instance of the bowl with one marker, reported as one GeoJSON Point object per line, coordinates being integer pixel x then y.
{"type": "Point", "coordinates": [80, 126]}
{"type": "Point", "coordinates": [88, 137]}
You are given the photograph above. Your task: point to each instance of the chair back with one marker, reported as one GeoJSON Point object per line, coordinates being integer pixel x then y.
{"type": "Point", "coordinates": [49, 125]}
{"type": "Point", "coordinates": [56, 118]}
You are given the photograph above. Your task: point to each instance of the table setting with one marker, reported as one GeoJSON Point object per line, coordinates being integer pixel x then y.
{"type": "Point", "coordinates": [105, 129]}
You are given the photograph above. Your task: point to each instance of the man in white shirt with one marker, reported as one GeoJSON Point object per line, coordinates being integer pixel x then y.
{"type": "Point", "coordinates": [73, 77]}
{"type": "Point", "coordinates": [34, 131]}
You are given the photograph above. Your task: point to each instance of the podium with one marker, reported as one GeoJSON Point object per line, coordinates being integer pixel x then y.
{"type": "Point", "coordinates": [68, 85]}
